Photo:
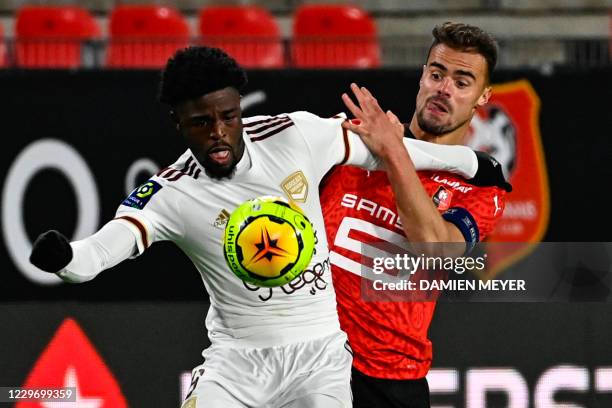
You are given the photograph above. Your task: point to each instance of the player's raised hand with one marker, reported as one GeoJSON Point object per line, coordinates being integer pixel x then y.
{"type": "Point", "coordinates": [380, 131]}
{"type": "Point", "coordinates": [51, 252]}
{"type": "Point", "coordinates": [395, 121]}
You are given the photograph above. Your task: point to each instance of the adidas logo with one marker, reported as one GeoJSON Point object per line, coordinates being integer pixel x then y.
{"type": "Point", "coordinates": [222, 219]}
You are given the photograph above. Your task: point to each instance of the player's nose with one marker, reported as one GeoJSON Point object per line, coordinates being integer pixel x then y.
{"type": "Point", "coordinates": [217, 131]}
{"type": "Point", "coordinates": [444, 87]}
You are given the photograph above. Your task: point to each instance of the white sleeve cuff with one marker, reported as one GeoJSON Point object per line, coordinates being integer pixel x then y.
{"type": "Point", "coordinates": [113, 243]}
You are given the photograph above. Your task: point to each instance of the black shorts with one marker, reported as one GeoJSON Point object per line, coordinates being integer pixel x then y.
{"type": "Point", "coordinates": [370, 392]}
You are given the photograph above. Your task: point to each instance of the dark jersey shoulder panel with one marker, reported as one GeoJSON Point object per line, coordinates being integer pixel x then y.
{"type": "Point", "coordinates": [489, 173]}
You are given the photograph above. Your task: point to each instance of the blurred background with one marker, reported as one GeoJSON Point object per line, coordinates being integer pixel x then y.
{"type": "Point", "coordinates": [271, 33]}
{"type": "Point", "coordinates": [82, 128]}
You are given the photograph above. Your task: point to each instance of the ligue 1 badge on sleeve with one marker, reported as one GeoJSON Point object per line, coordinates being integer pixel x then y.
{"type": "Point", "coordinates": [141, 196]}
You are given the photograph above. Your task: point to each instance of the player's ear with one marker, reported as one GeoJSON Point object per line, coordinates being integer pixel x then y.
{"type": "Point", "coordinates": [484, 97]}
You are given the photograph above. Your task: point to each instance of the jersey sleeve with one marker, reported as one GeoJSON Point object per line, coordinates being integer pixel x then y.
{"type": "Point", "coordinates": [112, 244]}
{"type": "Point", "coordinates": [151, 213]}
{"type": "Point", "coordinates": [460, 160]}
{"type": "Point", "coordinates": [330, 144]}
{"type": "Point", "coordinates": [477, 213]}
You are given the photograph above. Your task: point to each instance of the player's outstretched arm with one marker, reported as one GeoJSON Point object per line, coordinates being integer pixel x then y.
{"type": "Point", "coordinates": [82, 260]}
{"type": "Point", "coordinates": [383, 135]}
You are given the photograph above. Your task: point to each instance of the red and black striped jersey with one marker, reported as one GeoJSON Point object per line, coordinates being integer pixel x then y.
{"type": "Point", "coordinates": [389, 339]}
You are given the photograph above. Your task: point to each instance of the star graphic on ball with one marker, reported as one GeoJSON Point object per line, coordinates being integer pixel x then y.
{"type": "Point", "coordinates": [267, 248]}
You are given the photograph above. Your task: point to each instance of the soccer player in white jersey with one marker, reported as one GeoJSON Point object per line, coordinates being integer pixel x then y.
{"type": "Point", "coordinates": [279, 347]}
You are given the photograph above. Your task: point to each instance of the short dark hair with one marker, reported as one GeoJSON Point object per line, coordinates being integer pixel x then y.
{"type": "Point", "coordinates": [464, 37]}
{"type": "Point", "coordinates": [196, 71]}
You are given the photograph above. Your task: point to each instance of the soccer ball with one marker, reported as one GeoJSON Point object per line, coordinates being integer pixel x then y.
{"type": "Point", "coordinates": [268, 241]}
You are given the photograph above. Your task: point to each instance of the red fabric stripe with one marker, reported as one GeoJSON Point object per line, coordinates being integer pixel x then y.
{"type": "Point", "coordinates": [347, 146]}
{"type": "Point", "coordinates": [271, 133]}
{"type": "Point", "coordinates": [187, 163]}
{"type": "Point", "coordinates": [141, 228]}
{"type": "Point", "coordinates": [177, 176]}
{"type": "Point", "coordinates": [169, 173]}
{"type": "Point", "coordinates": [257, 122]}
{"type": "Point", "coordinates": [271, 125]}
{"type": "Point", "coordinates": [161, 171]}
{"type": "Point", "coordinates": [191, 169]}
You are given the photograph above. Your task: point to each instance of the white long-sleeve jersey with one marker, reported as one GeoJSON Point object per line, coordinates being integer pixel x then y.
{"type": "Point", "coordinates": [285, 155]}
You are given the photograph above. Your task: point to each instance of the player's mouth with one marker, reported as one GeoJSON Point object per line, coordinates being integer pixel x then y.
{"type": "Point", "coordinates": [221, 155]}
{"type": "Point", "coordinates": [437, 107]}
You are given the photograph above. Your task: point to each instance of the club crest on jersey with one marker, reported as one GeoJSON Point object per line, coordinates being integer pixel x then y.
{"type": "Point", "coordinates": [442, 199]}
{"type": "Point", "coordinates": [141, 196]}
{"type": "Point", "coordinates": [222, 219]}
{"type": "Point", "coordinates": [296, 186]}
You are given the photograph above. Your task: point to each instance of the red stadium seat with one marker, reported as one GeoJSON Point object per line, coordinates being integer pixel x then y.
{"type": "Point", "coordinates": [248, 33]}
{"type": "Point", "coordinates": [334, 36]}
{"type": "Point", "coordinates": [145, 36]}
{"type": "Point", "coordinates": [3, 58]}
{"type": "Point", "coordinates": [52, 36]}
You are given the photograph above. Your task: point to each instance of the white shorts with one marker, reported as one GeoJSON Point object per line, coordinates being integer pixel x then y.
{"type": "Point", "coordinates": [312, 374]}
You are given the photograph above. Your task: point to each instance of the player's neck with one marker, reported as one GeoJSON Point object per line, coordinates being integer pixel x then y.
{"type": "Point", "coordinates": [456, 137]}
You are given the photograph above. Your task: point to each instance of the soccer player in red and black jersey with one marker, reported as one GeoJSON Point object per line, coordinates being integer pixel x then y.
{"type": "Point", "coordinates": [392, 353]}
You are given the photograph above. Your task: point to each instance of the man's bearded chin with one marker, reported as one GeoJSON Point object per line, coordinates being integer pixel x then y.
{"type": "Point", "coordinates": [217, 172]}
{"type": "Point", "coordinates": [212, 169]}
{"type": "Point", "coordinates": [434, 129]}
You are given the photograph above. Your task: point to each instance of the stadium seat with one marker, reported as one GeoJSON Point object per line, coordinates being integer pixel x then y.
{"type": "Point", "coordinates": [52, 36]}
{"type": "Point", "coordinates": [3, 58]}
{"type": "Point", "coordinates": [326, 36]}
{"type": "Point", "coordinates": [145, 36]}
{"type": "Point", "coordinates": [248, 33]}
